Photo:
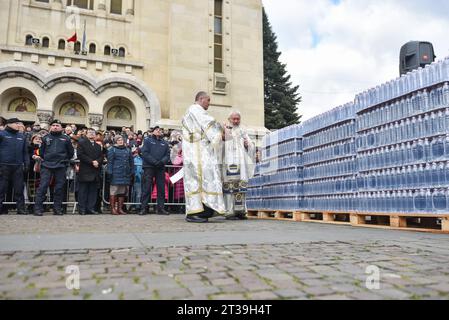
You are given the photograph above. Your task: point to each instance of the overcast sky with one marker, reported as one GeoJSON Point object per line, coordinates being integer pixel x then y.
{"type": "Point", "coordinates": [337, 48]}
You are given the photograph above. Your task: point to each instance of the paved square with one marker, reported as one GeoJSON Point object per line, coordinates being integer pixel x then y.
{"type": "Point", "coordinates": [164, 258]}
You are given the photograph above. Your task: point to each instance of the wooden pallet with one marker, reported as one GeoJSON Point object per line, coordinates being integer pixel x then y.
{"type": "Point", "coordinates": [410, 222]}
{"type": "Point", "coordinates": [274, 215]}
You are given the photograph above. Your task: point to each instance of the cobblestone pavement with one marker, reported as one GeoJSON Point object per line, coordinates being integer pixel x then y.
{"type": "Point", "coordinates": [412, 265]}
{"type": "Point", "coordinates": [110, 224]}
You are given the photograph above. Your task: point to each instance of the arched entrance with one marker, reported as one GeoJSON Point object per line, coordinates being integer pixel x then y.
{"type": "Point", "coordinates": [120, 112]}
{"type": "Point", "coordinates": [19, 103]}
{"type": "Point", "coordinates": [49, 85]}
{"type": "Point", "coordinates": [71, 108]}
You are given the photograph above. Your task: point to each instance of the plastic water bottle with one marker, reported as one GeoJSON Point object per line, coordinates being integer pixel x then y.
{"type": "Point", "coordinates": [402, 154]}
{"type": "Point", "coordinates": [437, 149]}
{"type": "Point", "coordinates": [419, 126]}
{"type": "Point", "coordinates": [446, 116]}
{"type": "Point", "coordinates": [427, 125]}
{"type": "Point", "coordinates": [447, 199]}
{"type": "Point", "coordinates": [410, 201]}
{"type": "Point", "coordinates": [421, 181]}
{"type": "Point", "coordinates": [404, 201]}
{"type": "Point", "coordinates": [417, 180]}
{"type": "Point", "coordinates": [446, 174]}
{"type": "Point", "coordinates": [429, 205]}
{"type": "Point", "coordinates": [427, 175]}
{"type": "Point", "coordinates": [446, 94]}
{"type": "Point", "coordinates": [427, 150]}
{"type": "Point", "coordinates": [441, 123]}
{"type": "Point", "coordinates": [401, 177]}
{"type": "Point", "coordinates": [442, 175]}
{"type": "Point", "coordinates": [418, 151]}
{"type": "Point", "coordinates": [434, 175]}
{"type": "Point", "coordinates": [420, 201]}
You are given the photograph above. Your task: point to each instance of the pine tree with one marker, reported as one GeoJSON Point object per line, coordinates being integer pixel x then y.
{"type": "Point", "coordinates": [281, 99]}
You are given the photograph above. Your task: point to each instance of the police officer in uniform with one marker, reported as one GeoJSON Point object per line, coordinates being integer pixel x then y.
{"type": "Point", "coordinates": [56, 152]}
{"type": "Point", "coordinates": [14, 161]}
{"type": "Point", "coordinates": [155, 155]}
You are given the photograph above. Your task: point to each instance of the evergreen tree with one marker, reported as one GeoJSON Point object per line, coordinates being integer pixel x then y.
{"type": "Point", "coordinates": [281, 99]}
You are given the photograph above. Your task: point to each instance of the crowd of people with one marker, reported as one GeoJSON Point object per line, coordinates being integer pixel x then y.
{"type": "Point", "coordinates": [96, 167]}
{"type": "Point", "coordinates": [130, 171]}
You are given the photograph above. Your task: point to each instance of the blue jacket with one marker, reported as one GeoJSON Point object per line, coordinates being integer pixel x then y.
{"type": "Point", "coordinates": [56, 151]}
{"type": "Point", "coordinates": [120, 166]}
{"type": "Point", "coordinates": [155, 153]}
{"type": "Point", "coordinates": [13, 148]}
{"type": "Point", "coordinates": [138, 169]}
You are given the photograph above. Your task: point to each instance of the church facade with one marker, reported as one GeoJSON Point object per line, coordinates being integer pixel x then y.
{"type": "Point", "coordinates": [138, 63]}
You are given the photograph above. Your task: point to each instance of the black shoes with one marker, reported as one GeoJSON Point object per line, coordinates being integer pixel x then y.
{"type": "Point", "coordinates": [88, 213]}
{"type": "Point", "coordinates": [196, 219]}
{"type": "Point", "coordinates": [146, 211]}
{"type": "Point", "coordinates": [38, 214]}
{"type": "Point", "coordinates": [233, 218]}
{"type": "Point", "coordinates": [162, 212]}
{"type": "Point", "coordinates": [143, 212]}
{"type": "Point", "coordinates": [239, 216]}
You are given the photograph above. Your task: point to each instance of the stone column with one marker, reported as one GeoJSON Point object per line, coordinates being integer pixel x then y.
{"type": "Point", "coordinates": [45, 117]}
{"type": "Point", "coordinates": [95, 121]}
{"type": "Point", "coordinates": [129, 7]}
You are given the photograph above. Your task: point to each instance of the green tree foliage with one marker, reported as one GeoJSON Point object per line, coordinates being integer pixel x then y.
{"type": "Point", "coordinates": [281, 98]}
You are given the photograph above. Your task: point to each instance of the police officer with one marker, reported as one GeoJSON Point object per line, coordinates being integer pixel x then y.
{"type": "Point", "coordinates": [56, 152]}
{"type": "Point", "coordinates": [14, 161]}
{"type": "Point", "coordinates": [156, 155]}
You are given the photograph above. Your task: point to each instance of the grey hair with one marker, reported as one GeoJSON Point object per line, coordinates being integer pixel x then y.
{"type": "Point", "coordinates": [235, 112]}
{"type": "Point", "coordinates": [200, 95]}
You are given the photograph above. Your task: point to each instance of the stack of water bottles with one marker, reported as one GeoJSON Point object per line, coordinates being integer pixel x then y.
{"type": "Point", "coordinates": [329, 154]}
{"type": "Point", "coordinates": [254, 195]}
{"type": "Point", "coordinates": [280, 180]}
{"type": "Point", "coordinates": [386, 152]}
{"type": "Point", "coordinates": [403, 144]}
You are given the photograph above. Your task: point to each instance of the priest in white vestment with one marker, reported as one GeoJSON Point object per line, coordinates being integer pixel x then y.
{"type": "Point", "coordinates": [202, 150]}
{"type": "Point", "coordinates": [239, 159]}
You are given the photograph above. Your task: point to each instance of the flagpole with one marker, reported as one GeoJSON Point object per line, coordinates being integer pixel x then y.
{"type": "Point", "coordinates": [83, 49]}
{"type": "Point", "coordinates": [76, 33]}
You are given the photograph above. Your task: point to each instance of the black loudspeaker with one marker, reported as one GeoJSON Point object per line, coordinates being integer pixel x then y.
{"type": "Point", "coordinates": [415, 54]}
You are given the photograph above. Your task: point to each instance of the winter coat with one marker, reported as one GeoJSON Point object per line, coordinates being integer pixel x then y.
{"type": "Point", "coordinates": [88, 153]}
{"type": "Point", "coordinates": [13, 148]}
{"type": "Point", "coordinates": [155, 153]}
{"type": "Point", "coordinates": [56, 151]}
{"type": "Point", "coordinates": [120, 166]}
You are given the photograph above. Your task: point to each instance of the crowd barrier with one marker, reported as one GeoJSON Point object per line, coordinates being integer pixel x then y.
{"type": "Point", "coordinates": [174, 193]}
